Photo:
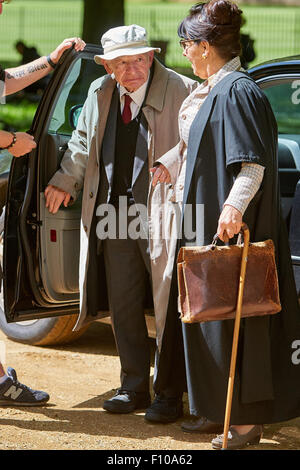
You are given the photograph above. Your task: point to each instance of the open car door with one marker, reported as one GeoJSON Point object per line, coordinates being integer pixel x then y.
{"type": "Point", "coordinates": [41, 250]}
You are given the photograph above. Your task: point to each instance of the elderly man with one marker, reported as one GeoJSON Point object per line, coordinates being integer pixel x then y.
{"type": "Point", "coordinates": [129, 119]}
{"type": "Point", "coordinates": [12, 392]}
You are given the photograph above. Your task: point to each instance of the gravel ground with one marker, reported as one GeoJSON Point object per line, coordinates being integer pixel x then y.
{"type": "Point", "coordinates": [79, 377]}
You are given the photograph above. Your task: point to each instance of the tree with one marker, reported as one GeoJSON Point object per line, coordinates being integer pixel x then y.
{"type": "Point", "coordinates": [99, 16]}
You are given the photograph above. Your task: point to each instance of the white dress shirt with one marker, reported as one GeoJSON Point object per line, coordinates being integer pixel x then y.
{"type": "Point", "coordinates": [137, 97]}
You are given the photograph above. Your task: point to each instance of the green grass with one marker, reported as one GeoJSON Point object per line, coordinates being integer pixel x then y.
{"type": "Point", "coordinates": [43, 24]}
{"type": "Point", "coordinates": [276, 29]}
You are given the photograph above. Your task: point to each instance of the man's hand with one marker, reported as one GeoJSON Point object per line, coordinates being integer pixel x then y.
{"type": "Point", "coordinates": [79, 45]}
{"type": "Point", "coordinates": [230, 223]}
{"type": "Point", "coordinates": [24, 144]}
{"type": "Point", "coordinates": [54, 197]}
{"type": "Point", "coordinates": [160, 174]}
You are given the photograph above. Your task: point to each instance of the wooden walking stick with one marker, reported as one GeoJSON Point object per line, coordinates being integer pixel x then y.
{"type": "Point", "coordinates": [236, 335]}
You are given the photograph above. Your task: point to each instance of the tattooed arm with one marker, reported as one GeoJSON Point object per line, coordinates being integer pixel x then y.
{"type": "Point", "coordinates": [15, 79]}
{"type": "Point", "coordinates": [20, 77]}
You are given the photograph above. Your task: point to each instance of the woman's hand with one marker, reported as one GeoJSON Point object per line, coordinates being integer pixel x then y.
{"type": "Point", "coordinates": [79, 45]}
{"type": "Point", "coordinates": [230, 223]}
{"type": "Point", "coordinates": [23, 145]}
{"type": "Point", "coordinates": [160, 174]}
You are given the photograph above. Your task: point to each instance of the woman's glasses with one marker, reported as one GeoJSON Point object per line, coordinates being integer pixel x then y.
{"type": "Point", "coordinates": [186, 43]}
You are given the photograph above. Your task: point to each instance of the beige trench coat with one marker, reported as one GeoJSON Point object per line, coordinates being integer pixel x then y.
{"type": "Point", "coordinates": [164, 213]}
{"type": "Point", "coordinates": [80, 164]}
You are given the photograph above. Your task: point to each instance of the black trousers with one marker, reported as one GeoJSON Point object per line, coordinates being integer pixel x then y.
{"type": "Point", "coordinates": [127, 266]}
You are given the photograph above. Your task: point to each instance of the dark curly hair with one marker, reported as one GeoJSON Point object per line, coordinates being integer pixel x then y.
{"type": "Point", "coordinates": [218, 22]}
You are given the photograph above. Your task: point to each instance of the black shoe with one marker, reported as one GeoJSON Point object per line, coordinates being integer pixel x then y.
{"type": "Point", "coordinates": [164, 410]}
{"type": "Point", "coordinates": [125, 401]}
{"type": "Point", "coordinates": [201, 425]}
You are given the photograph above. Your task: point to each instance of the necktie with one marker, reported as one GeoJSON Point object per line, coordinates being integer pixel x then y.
{"type": "Point", "coordinates": [126, 114]}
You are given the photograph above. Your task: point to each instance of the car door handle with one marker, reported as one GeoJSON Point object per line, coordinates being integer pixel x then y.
{"type": "Point", "coordinates": [63, 148]}
{"type": "Point", "coordinates": [296, 260]}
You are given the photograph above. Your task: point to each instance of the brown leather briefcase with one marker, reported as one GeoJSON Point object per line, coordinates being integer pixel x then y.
{"type": "Point", "coordinates": [208, 281]}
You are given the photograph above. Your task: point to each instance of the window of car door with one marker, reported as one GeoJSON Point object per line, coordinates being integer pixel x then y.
{"type": "Point", "coordinates": [59, 234]}
{"type": "Point", "coordinates": [283, 93]}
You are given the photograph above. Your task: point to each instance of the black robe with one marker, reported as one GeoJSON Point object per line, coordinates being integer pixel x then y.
{"type": "Point", "coordinates": [235, 124]}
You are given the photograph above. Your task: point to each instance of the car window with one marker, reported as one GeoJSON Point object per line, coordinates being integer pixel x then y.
{"type": "Point", "coordinates": [284, 96]}
{"type": "Point", "coordinates": [5, 161]}
{"type": "Point", "coordinates": [76, 85]}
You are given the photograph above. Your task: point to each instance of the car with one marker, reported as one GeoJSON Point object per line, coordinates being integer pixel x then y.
{"type": "Point", "coordinates": [280, 81]}
{"type": "Point", "coordinates": [41, 250]}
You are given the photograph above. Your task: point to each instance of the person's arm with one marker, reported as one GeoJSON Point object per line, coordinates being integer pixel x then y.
{"type": "Point", "coordinates": [18, 143]}
{"type": "Point", "coordinates": [20, 77]}
{"type": "Point", "coordinates": [245, 187]}
{"type": "Point", "coordinates": [166, 167]}
{"type": "Point", "coordinates": [250, 133]}
{"type": "Point", "coordinates": [67, 182]}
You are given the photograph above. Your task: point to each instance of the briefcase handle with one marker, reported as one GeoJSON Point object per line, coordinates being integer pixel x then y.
{"type": "Point", "coordinates": [243, 233]}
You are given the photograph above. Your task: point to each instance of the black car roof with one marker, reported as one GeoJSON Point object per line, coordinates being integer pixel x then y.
{"type": "Point", "coordinates": [289, 64]}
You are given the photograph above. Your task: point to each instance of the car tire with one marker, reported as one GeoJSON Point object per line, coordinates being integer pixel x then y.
{"type": "Point", "coordinates": [42, 332]}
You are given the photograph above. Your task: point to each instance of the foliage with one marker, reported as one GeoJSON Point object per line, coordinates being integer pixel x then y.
{"type": "Point", "coordinates": [43, 23]}
{"type": "Point", "coordinates": [17, 115]}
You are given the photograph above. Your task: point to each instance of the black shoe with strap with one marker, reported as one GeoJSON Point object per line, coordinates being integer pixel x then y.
{"type": "Point", "coordinates": [126, 401]}
{"type": "Point", "coordinates": [164, 410]}
{"type": "Point", "coordinates": [201, 425]}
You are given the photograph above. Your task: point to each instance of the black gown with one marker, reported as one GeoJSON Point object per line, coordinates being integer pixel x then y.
{"type": "Point", "coordinates": [235, 124]}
